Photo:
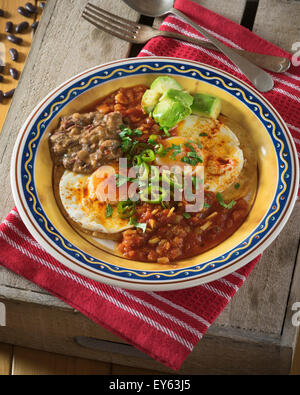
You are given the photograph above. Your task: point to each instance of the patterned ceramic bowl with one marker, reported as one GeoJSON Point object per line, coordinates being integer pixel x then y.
{"type": "Point", "coordinates": [32, 168]}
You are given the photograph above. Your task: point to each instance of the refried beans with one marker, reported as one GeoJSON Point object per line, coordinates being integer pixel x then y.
{"type": "Point", "coordinates": [84, 142]}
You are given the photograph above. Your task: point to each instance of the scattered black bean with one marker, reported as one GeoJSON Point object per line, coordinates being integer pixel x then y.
{"type": "Point", "coordinates": [35, 25]}
{"type": "Point", "coordinates": [1, 96]}
{"type": "Point", "coordinates": [23, 12]}
{"type": "Point", "coordinates": [21, 27]}
{"type": "Point", "coordinates": [14, 73]}
{"type": "Point", "coordinates": [9, 27]}
{"type": "Point", "coordinates": [9, 93]}
{"type": "Point", "coordinates": [1, 78]}
{"type": "Point", "coordinates": [1, 12]}
{"type": "Point", "coordinates": [1, 68]}
{"type": "Point", "coordinates": [14, 54]}
{"type": "Point", "coordinates": [14, 39]}
{"type": "Point", "coordinates": [31, 8]}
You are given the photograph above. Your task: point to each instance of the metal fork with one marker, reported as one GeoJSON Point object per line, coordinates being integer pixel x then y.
{"type": "Point", "coordinates": [139, 34]}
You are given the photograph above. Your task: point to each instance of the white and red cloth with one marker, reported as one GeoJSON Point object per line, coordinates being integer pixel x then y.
{"type": "Point", "coordinates": [165, 325]}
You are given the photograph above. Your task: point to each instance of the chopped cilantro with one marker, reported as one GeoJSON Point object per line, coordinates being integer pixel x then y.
{"type": "Point", "coordinates": [192, 157]}
{"type": "Point", "coordinates": [109, 210]}
{"type": "Point", "coordinates": [175, 148]}
{"type": "Point", "coordinates": [186, 215]}
{"type": "Point", "coordinates": [223, 204]}
{"type": "Point", "coordinates": [203, 134]}
{"type": "Point", "coordinates": [133, 221]}
{"type": "Point", "coordinates": [126, 140]}
{"type": "Point", "coordinates": [126, 131]}
{"type": "Point", "coordinates": [237, 185]}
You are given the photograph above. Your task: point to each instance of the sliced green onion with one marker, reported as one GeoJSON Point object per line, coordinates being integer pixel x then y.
{"type": "Point", "coordinates": [170, 178]}
{"type": "Point", "coordinates": [126, 208]}
{"type": "Point", "coordinates": [158, 148]}
{"type": "Point", "coordinates": [152, 139]}
{"type": "Point", "coordinates": [137, 160]}
{"type": "Point", "coordinates": [157, 195]}
{"type": "Point", "coordinates": [144, 173]}
{"type": "Point", "coordinates": [154, 174]}
{"type": "Point", "coordinates": [148, 155]}
{"type": "Point", "coordinates": [166, 131]}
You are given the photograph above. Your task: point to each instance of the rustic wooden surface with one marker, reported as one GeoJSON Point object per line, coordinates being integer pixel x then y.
{"type": "Point", "coordinates": [278, 22]}
{"type": "Point", "coordinates": [260, 314]}
{"type": "Point", "coordinates": [15, 360]}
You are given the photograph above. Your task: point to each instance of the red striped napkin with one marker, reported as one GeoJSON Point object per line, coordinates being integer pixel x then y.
{"type": "Point", "coordinates": [165, 325]}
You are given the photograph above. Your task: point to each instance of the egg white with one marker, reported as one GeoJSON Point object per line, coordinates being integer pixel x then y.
{"type": "Point", "coordinates": [223, 158]}
{"type": "Point", "coordinates": [78, 197]}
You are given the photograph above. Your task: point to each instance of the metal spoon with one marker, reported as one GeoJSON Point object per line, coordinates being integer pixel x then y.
{"type": "Point", "coordinates": [259, 78]}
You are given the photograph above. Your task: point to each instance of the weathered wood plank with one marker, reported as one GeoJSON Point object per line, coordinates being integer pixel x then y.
{"type": "Point", "coordinates": [122, 369]}
{"type": "Point", "coordinates": [222, 351]}
{"type": "Point", "coordinates": [233, 11]}
{"type": "Point", "coordinates": [261, 302]}
{"type": "Point", "coordinates": [6, 352]}
{"type": "Point", "coordinates": [290, 333]}
{"type": "Point", "coordinates": [27, 361]}
{"type": "Point", "coordinates": [295, 370]}
{"type": "Point", "coordinates": [278, 22]}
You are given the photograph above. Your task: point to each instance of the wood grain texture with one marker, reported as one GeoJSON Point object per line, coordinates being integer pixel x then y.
{"type": "Point", "coordinates": [127, 370]}
{"type": "Point", "coordinates": [221, 351]}
{"type": "Point", "coordinates": [260, 304]}
{"type": "Point", "coordinates": [278, 22]}
{"type": "Point", "coordinates": [6, 351]}
{"type": "Point", "coordinates": [27, 361]}
{"type": "Point", "coordinates": [295, 370]}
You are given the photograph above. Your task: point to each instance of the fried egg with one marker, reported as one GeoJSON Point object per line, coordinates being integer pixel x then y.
{"type": "Point", "coordinates": [222, 156]}
{"type": "Point", "coordinates": [83, 200]}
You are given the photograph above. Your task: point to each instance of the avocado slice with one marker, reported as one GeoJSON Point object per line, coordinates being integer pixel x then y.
{"type": "Point", "coordinates": [168, 112]}
{"type": "Point", "coordinates": [150, 99]}
{"type": "Point", "coordinates": [164, 83]}
{"type": "Point", "coordinates": [181, 96]}
{"type": "Point", "coordinates": [206, 105]}
{"type": "Point", "coordinates": [158, 87]}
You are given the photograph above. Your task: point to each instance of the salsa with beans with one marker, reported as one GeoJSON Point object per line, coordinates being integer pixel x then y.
{"type": "Point", "coordinates": [170, 233]}
{"type": "Point", "coordinates": [169, 237]}
{"type": "Point", "coordinates": [127, 101]}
